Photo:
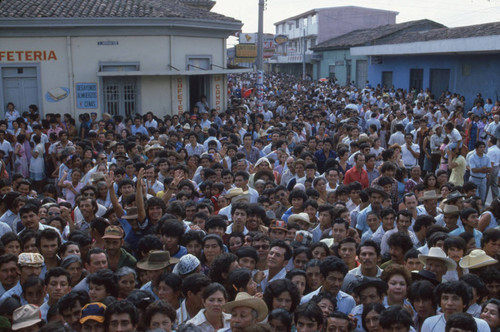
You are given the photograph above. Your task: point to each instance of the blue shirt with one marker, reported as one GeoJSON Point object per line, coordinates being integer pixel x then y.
{"type": "Point", "coordinates": [477, 162]}
{"type": "Point", "coordinates": [140, 130]}
{"type": "Point", "coordinates": [345, 302]}
{"type": "Point", "coordinates": [477, 235]}
{"type": "Point", "coordinates": [361, 222]}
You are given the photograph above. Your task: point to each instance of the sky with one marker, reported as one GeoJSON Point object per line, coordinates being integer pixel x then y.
{"type": "Point", "coordinates": [451, 13]}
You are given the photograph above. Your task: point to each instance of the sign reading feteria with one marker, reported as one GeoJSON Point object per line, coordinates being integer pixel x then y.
{"type": "Point", "coordinates": [11, 56]}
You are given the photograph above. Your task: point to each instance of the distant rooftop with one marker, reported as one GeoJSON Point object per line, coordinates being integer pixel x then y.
{"type": "Point", "coordinates": [364, 36]}
{"type": "Point", "coordinates": [39, 9]}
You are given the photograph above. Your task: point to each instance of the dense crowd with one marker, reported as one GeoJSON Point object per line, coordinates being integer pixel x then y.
{"type": "Point", "coordinates": [319, 208]}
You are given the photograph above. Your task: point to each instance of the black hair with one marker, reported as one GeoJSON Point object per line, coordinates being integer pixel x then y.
{"type": "Point", "coordinates": [369, 243]}
{"type": "Point", "coordinates": [474, 281]}
{"type": "Point", "coordinates": [237, 278]}
{"type": "Point", "coordinates": [332, 264]}
{"type": "Point", "coordinates": [284, 245]}
{"type": "Point", "coordinates": [106, 278]}
{"type": "Point", "coordinates": [147, 243]}
{"type": "Point", "coordinates": [215, 221]}
{"type": "Point", "coordinates": [455, 242]}
{"type": "Point", "coordinates": [194, 283]}
{"type": "Point", "coordinates": [172, 228]}
{"type": "Point", "coordinates": [401, 240]}
{"type": "Point", "coordinates": [395, 314]}
{"type": "Point", "coordinates": [161, 307]}
{"type": "Point", "coordinates": [377, 307]}
{"type": "Point", "coordinates": [212, 289]}
{"type": "Point", "coordinates": [283, 316]}
{"type": "Point", "coordinates": [48, 234]}
{"type": "Point", "coordinates": [57, 272]}
{"type": "Point", "coordinates": [121, 307]}
{"type": "Point", "coordinates": [459, 288]}
{"type": "Point", "coordinates": [69, 300]}
{"type": "Point", "coordinates": [246, 251]}
{"type": "Point", "coordinates": [192, 236]}
{"type": "Point", "coordinates": [422, 289]}
{"type": "Point", "coordinates": [276, 288]}
{"type": "Point", "coordinates": [462, 321]}
{"type": "Point", "coordinates": [310, 310]}
{"type": "Point", "coordinates": [220, 266]}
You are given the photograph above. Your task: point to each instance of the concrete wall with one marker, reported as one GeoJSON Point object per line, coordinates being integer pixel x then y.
{"type": "Point", "coordinates": [77, 60]}
{"type": "Point", "coordinates": [469, 74]}
{"type": "Point", "coordinates": [335, 22]}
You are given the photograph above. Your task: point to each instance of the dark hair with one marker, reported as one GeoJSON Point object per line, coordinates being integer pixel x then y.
{"type": "Point", "coordinates": [246, 251]}
{"type": "Point", "coordinates": [7, 258]}
{"type": "Point", "coordinates": [237, 278]}
{"type": "Point", "coordinates": [310, 310]}
{"type": "Point", "coordinates": [106, 278]}
{"type": "Point", "coordinates": [159, 307]}
{"type": "Point", "coordinates": [474, 281]}
{"type": "Point", "coordinates": [465, 213]}
{"type": "Point", "coordinates": [121, 307]}
{"type": "Point", "coordinates": [48, 234]}
{"type": "Point", "coordinates": [455, 242]}
{"type": "Point", "coordinates": [69, 300]}
{"type": "Point", "coordinates": [57, 272]}
{"type": "Point", "coordinates": [283, 316]}
{"type": "Point", "coordinates": [172, 228]}
{"type": "Point", "coordinates": [276, 288]}
{"type": "Point", "coordinates": [212, 289]}
{"type": "Point", "coordinates": [215, 221]}
{"type": "Point", "coordinates": [220, 266]}
{"type": "Point", "coordinates": [28, 208]}
{"type": "Point", "coordinates": [491, 234]}
{"type": "Point", "coordinates": [401, 240]}
{"type": "Point", "coordinates": [377, 307]}
{"type": "Point", "coordinates": [395, 314]}
{"type": "Point", "coordinates": [422, 289]}
{"type": "Point", "coordinates": [459, 288]}
{"type": "Point", "coordinates": [463, 321]}
{"type": "Point", "coordinates": [332, 264]}
{"type": "Point", "coordinates": [369, 243]}
{"type": "Point", "coordinates": [284, 245]}
{"type": "Point", "coordinates": [194, 283]}
{"type": "Point", "coordinates": [172, 280]}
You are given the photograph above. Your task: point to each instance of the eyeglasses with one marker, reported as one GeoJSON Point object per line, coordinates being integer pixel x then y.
{"type": "Point", "coordinates": [263, 247]}
{"type": "Point", "coordinates": [54, 213]}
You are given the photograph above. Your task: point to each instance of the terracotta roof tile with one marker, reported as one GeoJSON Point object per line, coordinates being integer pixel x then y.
{"type": "Point", "coordinates": [192, 9]}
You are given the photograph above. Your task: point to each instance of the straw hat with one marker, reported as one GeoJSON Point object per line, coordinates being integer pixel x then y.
{"type": "Point", "coordinates": [438, 253]}
{"type": "Point", "coordinates": [246, 300]}
{"type": "Point", "coordinates": [430, 194]}
{"type": "Point", "coordinates": [25, 316]}
{"type": "Point", "coordinates": [156, 260]}
{"type": "Point", "coordinates": [235, 192]}
{"type": "Point", "coordinates": [475, 259]}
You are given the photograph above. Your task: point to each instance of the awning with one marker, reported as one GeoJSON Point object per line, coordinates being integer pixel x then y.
{"type": "Point", "coordinates": [173, 72]}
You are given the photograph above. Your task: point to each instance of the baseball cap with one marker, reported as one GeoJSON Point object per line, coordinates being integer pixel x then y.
{"type": "Point", "coordinates": [94, 311]}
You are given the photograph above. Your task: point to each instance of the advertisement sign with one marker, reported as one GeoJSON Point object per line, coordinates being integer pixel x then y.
{"type": "Point", "coordinates": [246, 51]}
{"type": "Point", "coordinates": [248, 38]}
{"type": "Point", "coordinates": [281, 39]}
{"type": "Point", "coordinates": [86, 95]}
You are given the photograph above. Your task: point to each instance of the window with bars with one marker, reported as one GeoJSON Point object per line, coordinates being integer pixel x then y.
{"type": "Point", "coordinates": [120, 96]}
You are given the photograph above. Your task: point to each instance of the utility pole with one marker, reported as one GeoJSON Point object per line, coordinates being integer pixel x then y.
{"type": "Point", "coordinates": [304, 45]}
{"type": "Point", "coordinates": [260, 38]}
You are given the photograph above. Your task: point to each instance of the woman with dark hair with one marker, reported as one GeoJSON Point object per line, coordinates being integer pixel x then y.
{"type": "Point", "coordinates": [455, 248]}
{"type": "Point", "coordinates": [282, 293]}
{"type": "Point", "coordinates": [159, 315]}
{"type": "Point", "coordinates": [491, 314]}
{"type": "Point", "coordinates": [212, 319]}
{"type": "Point", "coordinates": [168, 288]}
{"type": "Point", "coordinates": [235, 240]}
{"type": "Point", "coordinates": [280, 320]}
{"type": "Point", "coordinates": [240, 280]}
{"type": "Point", "coordinates": [490, 217]}
{"type": "Point", "coordinates": [370, 317]}
{"type": "Point", "coordinates": [212, 247]}
{"type": "Point", "coordinates": [314, 276]}
{"type": "Point", "coordinates": [430, 183]}
{"type": "Point", "coordinates": [319, 250]}
{"type": "Point", "coordinates": [398, 279]}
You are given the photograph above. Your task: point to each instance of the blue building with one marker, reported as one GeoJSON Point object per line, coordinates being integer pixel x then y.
{"type": "Point", "coordinates": [337, 61]}
{"type": "Point", "coordinates": [465, 60]}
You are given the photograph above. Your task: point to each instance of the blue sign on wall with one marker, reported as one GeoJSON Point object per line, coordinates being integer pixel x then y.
{"type": "Point", "coordinates": [86, 95]}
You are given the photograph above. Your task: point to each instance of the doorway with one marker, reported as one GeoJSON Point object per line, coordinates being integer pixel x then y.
{"type": "Point", "coordinates": [199, 85]}
{"type": "Point", "coordinates": [20, 86]}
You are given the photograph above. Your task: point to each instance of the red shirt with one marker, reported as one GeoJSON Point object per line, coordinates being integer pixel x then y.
{"type": "Point", "coordinates": [354, 175]}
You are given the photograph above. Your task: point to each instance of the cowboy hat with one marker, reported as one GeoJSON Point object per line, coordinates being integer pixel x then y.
{"type": "Point", "coordinates": [438, 253]}
{"type": "Point", "coordinates": [451, 209]}
{"type": "Point", "coordinates": [235, 192]}
{"type": "Point", "coordinates": [453, 196]}
{"type": "Point", "coordinates": [246, 300]}
{"type": "Point", "coordinates": [475, 259]}
{"type": "Point", "coordinates": [430, 194]}
{"type": "Point", "coordinates": [156, 260]}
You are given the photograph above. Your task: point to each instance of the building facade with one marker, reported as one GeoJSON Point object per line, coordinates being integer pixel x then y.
{"type": "Point", "coordinates": [465, 60]}
{"type": "Point", "coordinates": [149, 56]}
{"type": "Point", "coordinates": [338, 63]}
{"type": "Point", "coordinates": [316, 26]}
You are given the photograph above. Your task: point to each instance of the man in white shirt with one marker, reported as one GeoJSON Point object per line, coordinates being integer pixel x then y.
{"type": "Point", "coordinates": [453, 134]}
{"type": "Point", "coordinates": [277, 259]}
{"type": "Point", "coordinates": [398, 137]}
{"type": "Point", "coordinates": [494, 155]}
{"type": "Point", "coordinates": [410, 152]}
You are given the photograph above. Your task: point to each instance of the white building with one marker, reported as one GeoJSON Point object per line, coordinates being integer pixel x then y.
{"type": "Point", "coordinates": [120, 57]}
{"type": "Point", "coordinates": [316, 26]}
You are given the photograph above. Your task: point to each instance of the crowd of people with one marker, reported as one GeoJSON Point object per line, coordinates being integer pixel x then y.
{"type": "Point", "coordinates": [319, 208]}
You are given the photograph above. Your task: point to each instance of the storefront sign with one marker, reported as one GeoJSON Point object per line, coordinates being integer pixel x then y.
{"type": "Point", "coordinates": [218, 84]}
{"type": "Point", "coordinates": [27, 56]}
{"type": "Point", "coordinates": [246, 51]}
{"type": "Point", "coordinates": [179, 88]}
{"type": "Point", "coordinates": [86, 95]}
